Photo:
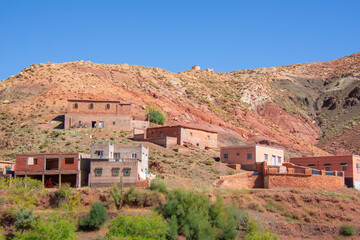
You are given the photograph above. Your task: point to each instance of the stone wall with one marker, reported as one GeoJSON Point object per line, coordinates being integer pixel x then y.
{"type": "Point", "coordinates": [244, 180]}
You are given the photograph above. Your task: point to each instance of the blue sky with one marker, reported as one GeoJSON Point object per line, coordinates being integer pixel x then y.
{"type": "Point", "coordinates": [174, 35]}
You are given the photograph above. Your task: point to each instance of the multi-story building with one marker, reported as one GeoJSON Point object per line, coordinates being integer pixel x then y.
{"type": "Point", "coordinates": [249, 155]}
{"type": "Point", "coordinates": [349, 164]}
{"type": "Point", "coordinates": [54, 169]}
{"type": "Point", "coordinates": [6, 167]}
{"type": "Point", "coordinates": [169, 136]}
{"type": "Point", "coordinates": [101, 114]}
{"type": "Point", "coordinates": [110, 163]}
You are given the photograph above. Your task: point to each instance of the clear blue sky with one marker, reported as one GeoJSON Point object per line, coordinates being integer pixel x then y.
{"type": "Point", "coordinates": [174, 35]}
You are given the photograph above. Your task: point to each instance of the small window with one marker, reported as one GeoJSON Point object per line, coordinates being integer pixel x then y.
{"type": "Point", "coordinates": [69, 160]}
{"type": "Point", "coordinates": [279, 159]}
{"type": "Point", "coordinates": [161, 134]}
{"type": "Point", "coordinates": [99, 153]}
{"type": "Point", "coordinates": [226, 156]}
{"type": "Point", "coordinates": [266, 157]}
{"type": "Point", "coordinates": [32, 161]}
{"type": "Point", "coordinates": [115, 171]}
{"type": "Point", "coordinates": [76, 106]}
{"type": "Point", "coordinates": [311, 165]}
{"type": "Point", "coordinates": [117, 155]}
{"type": "Point", "coordinates": [114, 123]}
{"type": "Point", "coordinates": [101, 124]}
{"type": "Point", "coordinates": [327, 166]}
{"type": "Point", "coordinates": [133, 155]}
{"type": "Point", "coordinates": [127, 171]}
{"type": "Point", "coordinates": [208, 136]}
{"type": "Point", "coordinates": [343, 167]}
{"type": "Point", "coordinates": [98, 171]}
{"type": "Point", "coordinates": [190, 133]}
{"type": "Point", "coordinates": [249, 156]}
{"type": "Point", "coordinates": [197, 144]}
{"type": "Point", "coordinates": [107, 106]}
{"type": "Point", "coordinates": [237, 154]}
{"type": "Point", "coordinates": [91, 106]}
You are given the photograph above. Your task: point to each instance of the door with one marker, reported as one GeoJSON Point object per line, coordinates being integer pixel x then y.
{"type": "Point", "coordinates": [273, 160]}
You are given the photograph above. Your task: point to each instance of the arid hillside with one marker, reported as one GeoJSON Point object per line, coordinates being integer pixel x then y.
{"type": "Point", "coordinates": [305, 108]}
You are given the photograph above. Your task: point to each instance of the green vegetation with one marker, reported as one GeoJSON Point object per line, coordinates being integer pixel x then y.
{"type": "Point", "coordinates": [156, 116]}
{"type": "Point", "coordinates": [158, 184]}
{"type": "Point", "coordinates": [138, 227]}
{"type": "Point", "coordinates": [254, 232]}
{"type": "Point", "coordinates": [116, 194]}
{"type": "Point", "coordinates": [96, 218]}
{"type": "Point", "coordinates": [24, 192]}
{"type": "Point", "coordinates": [143, 198]}
{"type": "Point", "coordinates": [24, 220]}
{"type": "Point", "coordinates": [65, 197]}
{"type": "Point", "coordinates": [347, 230]}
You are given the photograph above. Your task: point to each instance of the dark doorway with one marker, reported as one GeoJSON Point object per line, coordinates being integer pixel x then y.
{"type": "Point", "coordinates": [69, 178]}
{"type": "Point", "coordinates": [52, 164]}
{"type": "Point", "coordinates": [37, 177]}
{"type": "Point", "coordinates": [93, 124]}
{"type": "Point", "coordinates": [51, 181]}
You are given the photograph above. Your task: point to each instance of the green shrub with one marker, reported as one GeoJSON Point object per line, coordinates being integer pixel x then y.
{"type": "Point", "coordinates": [50, 228]}
{"type": "Point", "coordinates": [254, 232]}
{"type": "Point", "coordinates": [198, 219]}
{"type": "Point", "coordinates": [173, 228]}
{"type": "Point", "coordinates": [24, 192]}
{"type": "Point", "coordinates": [158, 184]}
{"type": "Point", "coordinates": [347, 230]}
{"type": "Point", "coordinates": [65, 197]}
{"type": "Point", "coordinates": [24, 219]}
{"type": "Point", "coordinates": [96, 218]}
{"type": "Point", "coordinates": [143, 198]}
{"type": "Point", "coordinates": [116, 194]}
{"type": "Point", "coordinates": [138, 227]}
{"type": "Point", "coordinates": [156, 116]}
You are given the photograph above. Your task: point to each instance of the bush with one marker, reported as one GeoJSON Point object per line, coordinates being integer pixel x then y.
{"type": "Point", "coordinates": [156, 116]}
{"type": "Point", "coordinates": [143, 198]}
{"type": "Point", "coordinates": [50, 228]}
{"type": "Point", "coordinates": [158, 184]}
{"type": "Point", "coordinates": [65, 197]}
{"type": "Point", "coordinates": [24, 220]}
{"type": "Point", "coordinates": [116, 194]}
{"type": "Point", "coordinates": [138, 227]}
{"type": "Point", "coordinates": [347, 230]}
{"type": "Point", "coordinates": [197, 218]}
{"type": "Point", "coordinates": [254, 232]}
{"type": "Point", "coordinates": [96, 218]}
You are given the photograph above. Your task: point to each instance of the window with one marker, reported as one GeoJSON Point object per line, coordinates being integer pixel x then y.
{"type": "Point", "coordinates": [133, 155]}
{"type": "Point", "coordinates": [69, 160]}
{"type": "Point", "coordinates": [226, 156]}
{"type": "Point", "coordinates": [343, 167]}
{"type": "Point", "coordinates": [327, 166]}
{"type": "Point", "coordinates": [358, 167]}
{"type": "Point", "coordinates": [76, 106]}
{"type": "Point", "coordinates": [249, 156]}
{"type": "Point", "coordinates": [115, 171]}
{"type": "Point", "coordinates": [279, 159]}
{"type": "Point", "coordinates": [99, 153]}
{"type": "Point", "coordinates": [190, 133]}
{"type": "Point", "coordinates": [208, 136]}
{"type": "Point", "coordinates": [311, 165]}
{"type": "Point", "coordinates": [161, 134]}
{"type": "Point", "coordinates": [114, 123]}
{"type": "Point", "coordinates": [107, 106]}
{"type": "Point", "coordinates": [91, 106]}
{"type": "Point", "coordinates": [273, 158]}
{"type": "Point", "coordinates": [197, 144]}
{"type": "Point", "coordinates": [98, 171]}
{"type": "Point", "coordinates": [127, 171]}
{"type": "Point", "coordinates": [237, 154]}
{"type": "Point", "coordinates": [32, 161]}
{"type": "Point", "coordinates": [266, 157]}
{"type": "Point", "coordinates": [101, 124]}
{"type": "Point", "coordinates": [117, 155]}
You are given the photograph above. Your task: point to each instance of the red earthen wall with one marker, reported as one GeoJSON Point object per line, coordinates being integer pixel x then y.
{"type": "Point", "coordinates": [306, 181]}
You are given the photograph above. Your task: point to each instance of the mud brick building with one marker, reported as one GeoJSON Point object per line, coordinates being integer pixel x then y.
{"type": "Point", "coordinates": [6, 167]}
{"type": "Point", "coordinates": [249, 155]}
{"type": "Point", "coordinates": [54, 169]}
{"type": "Point", "coordinates": [169, 136]}
{"type": "Point", "coordinates": [349, 164]}
{"type": "Point", "coordinates": [101, 114]}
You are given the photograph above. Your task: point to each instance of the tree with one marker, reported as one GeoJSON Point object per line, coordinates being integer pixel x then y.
{"type": "Point", "coordinates": [116, 194]}
{"type": "Point", "coordinates": [24, 220]}
{"type": "Point", "coordinates": [96, 218]}
{"type": "Point", "coordinates": [156, 116]}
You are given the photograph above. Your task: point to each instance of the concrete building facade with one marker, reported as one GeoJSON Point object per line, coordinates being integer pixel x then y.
{"type": "Point", "coordinates": [349, 164]}
{"type": "Point", "coordinates": [247, 156]}
{"type": "Point", "coordinates": [117, 153]}
{"type": "Point", "coordinates": [6, 167]}
{"type": "Point", "coordinates": [169, 136]}
{"type": "Point", "coordinates": [54, 169]}
{"type": "Point", "coordinates": [101, 114]}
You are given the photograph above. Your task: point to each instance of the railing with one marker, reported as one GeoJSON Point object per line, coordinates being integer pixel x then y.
{"type": "Point", "coordinates": [330, 173]}
{"type": "Point", "coordinates": [315, 172]}
{"type": "Point", "coordinates": [299, 170]}
{"type": "Point", "coordinates": [117, 160]}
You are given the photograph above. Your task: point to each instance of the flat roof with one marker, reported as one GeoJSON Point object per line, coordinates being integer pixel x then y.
{"type": "Point", "coordinates": [252, 145]}
{"type": "Point", "coordinates": [184, 126]}
{"type": "Point", "coordinates": [331, 156]}
{"type": "Point", "coordinates": [97, 100]}
{"type": "Point", "coordinates": [26, 154]}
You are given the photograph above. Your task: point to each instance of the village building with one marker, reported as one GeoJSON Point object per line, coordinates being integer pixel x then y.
{"type": "Point", "coordinates": [54, 169]}
{"type": "Point", "coordinates": [195, 68]}
{"type": "Point", "coordinates": [349, 164]}
{"type": "Point", "coordinates": [111, 163]}
{"type": "Point", "coordinates": [102, 114]}
{"type": "Point", "coordinates": [6, 167]}
{"type": "Point", "coordinates": [248, 156]}
{"type": "Point", "coordinates": [170, 136]}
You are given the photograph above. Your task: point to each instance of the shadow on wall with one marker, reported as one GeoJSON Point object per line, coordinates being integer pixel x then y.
{"type": "Point", "coordinates": [60, 118]}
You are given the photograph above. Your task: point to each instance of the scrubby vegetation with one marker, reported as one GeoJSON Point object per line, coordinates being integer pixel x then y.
{"type": "Point", "coordinates": [347, 230]}
{"type": "Point", "coordinates": [156, 116]}
{"type": "Point", "coordinates": [96, 218]}
{"type": "Point", "coordinates": [159, 185]}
